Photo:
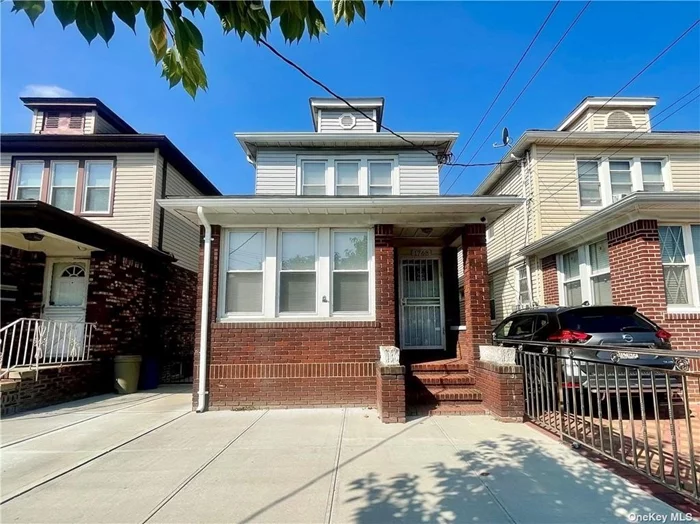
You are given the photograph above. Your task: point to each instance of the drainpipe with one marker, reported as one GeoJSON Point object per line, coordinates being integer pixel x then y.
{"type": "Point", "coordinates": [204, 329]}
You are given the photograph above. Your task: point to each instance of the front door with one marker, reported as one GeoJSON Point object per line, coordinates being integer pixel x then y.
{"type": "Point", "coordinates": [65, 301]}
{"type": "Point", "coordinates": [421, 315]}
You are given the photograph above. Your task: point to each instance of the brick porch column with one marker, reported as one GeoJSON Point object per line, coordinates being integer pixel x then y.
{"type": "Point", "coordinates": [391, 393]}
{"type": "Point", "coordinates": [636, 274]}
{"type": "Point", "coordinates": [385, 282]}
{"type": "Point", "coordinates": [476, 293]}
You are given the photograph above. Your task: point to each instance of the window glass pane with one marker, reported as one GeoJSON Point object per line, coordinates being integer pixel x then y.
{"type": "Point", "coordinates": [347, 190]}
{"type": "Point", "coordinates": [298, 250]}
{"type": "Point", "coordinates": [380, 190]}
{"type": "Point", "coordinates": [521, 326]}
{"type": "Point", "coordinates": [672, 247]}
{"type": "Point", "coordinates": [651, 171]}
{"type": "Point", "coordinates": [245, 250]}
{"type": "Point", "coordinates": [28, 193]}
{"type": "Point", "coordinates": [64, 173]}
{"type": "Point", "coordinates": [30, 175]}
{"type": "Point", "coordinates": [350, 251]}
{"type": "Point", "coordinates": [675, 282]}
{"type": "Point", "coordinates": [97, 199]}
{"type": "Point", "coordinates": [571, 264]}
{"type": "Point", "coordinates": [297, 292]}
{"type": "Point", "coordinates": [573, 293]}
{"type": "Point", "coordinates": [244, 292]}
{"type": "Point", "coordinates": [351, 292]}
{"type": "Point", "coordinates": [602, 293]}
{"type": "Point", "coordinates": [380, 173]}
{"type": "Point", "coordinates": [346, 173]}
{"type": "Point", "coordinates": [590, 194]}
{"type": "Point", "coordinates": [63, 198]}
{"type": "Point", "coordinates": [314, 173]}
{"type": "Point", "coordinates": [313, 190]}
{"type": "Point", "coordinates": [599, 256]}
{"type": "Point", "coordinates": [99, 174]}
{"type": "Point", "coordinates": [695, 235]}
{"type": "Point", "coordinates": [588, 171]}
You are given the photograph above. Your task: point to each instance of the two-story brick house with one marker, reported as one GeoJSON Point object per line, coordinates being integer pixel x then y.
{"type": "Point", "coordinates": [87, 250]}
{"type": "Point", "coordinates": [346, 246]}
{"type": "Point", "coordinates": [611, 216]}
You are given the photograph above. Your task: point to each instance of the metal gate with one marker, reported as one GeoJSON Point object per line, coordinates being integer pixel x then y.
{"type": "Point", "coordinates": [421, 304]}
{"type": "Point", "coordinates": [640, 417]}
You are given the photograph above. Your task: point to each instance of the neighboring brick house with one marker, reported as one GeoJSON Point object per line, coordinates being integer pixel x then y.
{"type": "Point", "coordinates": [346, 246]}
{"type": "Point", "coordinates": [612, 216]}
{"type": "Point", "coordinates": [87, 250]}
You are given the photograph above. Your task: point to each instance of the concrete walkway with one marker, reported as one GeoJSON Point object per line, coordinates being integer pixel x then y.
{"type": "Point", "coordinates": [147, 458]}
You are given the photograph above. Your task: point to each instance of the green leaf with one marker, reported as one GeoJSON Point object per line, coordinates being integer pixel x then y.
{"type": "Point", "coordinates": [32, 8]}
{"type": "Point", "coordinates": [158, 41]}
{"type": "Point", "coordinates": [103, 21]}
{"type": "Point", "coordinates": [65, 11]}
{"type": "Point", "coordinates": [84, 19]}
{"type": "Point", "coordinates": [315, 22]}
{"type": "Point", "coordinates": [360, 8]}
{"type": "Point", "coordinates": [126, 11]}
{"type": "Point", "coordinates": [171, 67]}
{"type": "Point", "coordinates": [153, 12]}
{"type": "Point", "coordinates": [202, 6]}
{"type": "Point", "coordinates": [277, 7]}
{"type": "Point", "coordinates": [194, 33]}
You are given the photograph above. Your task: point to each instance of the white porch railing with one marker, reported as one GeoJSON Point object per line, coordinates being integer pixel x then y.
{"type": "Point", "coordinates": [35, 342]}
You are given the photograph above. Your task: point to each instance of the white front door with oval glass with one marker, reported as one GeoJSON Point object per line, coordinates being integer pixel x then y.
{"type": "Point", "coordinates": [65, 301]}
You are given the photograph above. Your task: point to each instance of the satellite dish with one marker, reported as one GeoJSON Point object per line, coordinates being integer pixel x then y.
{"type": "Point", "coordinates": [505, 138]}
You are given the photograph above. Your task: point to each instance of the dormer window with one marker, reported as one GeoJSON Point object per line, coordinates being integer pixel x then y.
{"type": "Point", "coordinates": [620, 120]}
{"type": "Point", "coordinates": [56, 122]}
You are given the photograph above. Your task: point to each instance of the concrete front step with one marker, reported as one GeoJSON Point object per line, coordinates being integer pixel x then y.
{"type": "Point", "coordinates": [440, 378]}
{"type": "Point", "coordinates": [444, 366]}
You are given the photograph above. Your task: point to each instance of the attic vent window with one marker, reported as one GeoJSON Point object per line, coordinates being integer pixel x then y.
{"type": "Point", "coordinates": [76, 121]}
{"type": "Point", "coordinates": [60, 122]}
{"type": "Point", "coordinates": [347, 121]}
{"type": "Point", "coordinates": [620, 120]}
{"type": "Point", "coordinates": [52, 120]}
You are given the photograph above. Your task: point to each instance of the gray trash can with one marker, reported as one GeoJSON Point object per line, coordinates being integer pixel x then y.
{"type": "Point", "coordinates": [126, 373]}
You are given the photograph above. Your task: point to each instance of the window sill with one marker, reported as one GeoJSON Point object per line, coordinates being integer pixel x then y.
{"type": "Point", "coordinates": [297, 322]}
{"type": "Point", "coordinates": [689, 313]}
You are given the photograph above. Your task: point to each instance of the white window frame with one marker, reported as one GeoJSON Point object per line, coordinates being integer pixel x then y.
{"type": "Point", "coordinates": [18, 170]}
{"type": "Point", "coordinates": [369, 180]}
{"type": "Point", "coordinates": [523, 275]}
{"type": "Point", "coordinates": [300, 174]}
{"type": "Point", "coordinates": [52, 172]}
{"type": "Point", "coordinates": [271, 275]}
{"type": "Point", "coordinates": [369, 271]}
{"type": "Point", "coordinates": [280, 234]}
{"type": "Point", "coordinates": [356, 161]}
{"type": "Point", "coordinates": [693, 277]}
{"type": "Point", "coordinates": [364, 160]}
{"type": "Point", "coordinates": [224, 271]}
{"type": "Point", "coordinates": [110, 188]}
{"type": "Point", "coordinates": [631, 165]}
{"type": "Point", "coordinates": [585, 275]}
{"type": "Point", "coordinates": [636, 175]}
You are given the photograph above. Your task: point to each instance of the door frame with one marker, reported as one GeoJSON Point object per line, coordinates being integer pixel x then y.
{"type": "Point", "coordinates": [429, 254]}
{"type": "Point", "coordinates": [48, 280]}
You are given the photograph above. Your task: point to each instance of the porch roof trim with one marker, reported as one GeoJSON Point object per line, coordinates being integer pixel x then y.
{"type": "Point", "coordinates": [32, 214]}
{"type": "Point", "coordinates": [665, 207]}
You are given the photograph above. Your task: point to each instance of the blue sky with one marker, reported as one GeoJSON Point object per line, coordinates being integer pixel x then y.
{"type": "Point", "coordinates": [438, 64]}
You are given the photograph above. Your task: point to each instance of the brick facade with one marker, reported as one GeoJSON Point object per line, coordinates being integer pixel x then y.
{"type": "Point", "coordinates": [282, 364]}
{"type": "Point", "coordinates": [477, 313]}
{"type": "Point", "coordinates": [25, 271]}
{"type": "Point", "coordinates": [502, 391]}
{"type": "Point", "coordinates": [391, 393]}
{"type": "Point", "coordinates": [550, 280]}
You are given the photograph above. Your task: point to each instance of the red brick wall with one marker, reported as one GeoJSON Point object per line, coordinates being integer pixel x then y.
{"type": "Point", "coordinates": [25, 270]}
{"type": "Point", "coordinates": [502, 389]}
{"type": "Point", "coordinates": [391, 393]}
{"type": "Point", "coordinates": [550, 280]}
{"type": "Point", "coordinates": [476, 292]}
{"type": "Point", "coordinates": [301, 363]}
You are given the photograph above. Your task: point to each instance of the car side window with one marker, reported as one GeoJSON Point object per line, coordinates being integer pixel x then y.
{"type": "Point", "coordinates": [541, 322]}
{"type": "Point", "coordinates": [522, 326]}
{"type": "Point", "coordinates": [502, 330]}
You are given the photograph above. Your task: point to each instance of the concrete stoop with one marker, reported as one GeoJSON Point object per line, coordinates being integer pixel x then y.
{"type": "Point", "coordinates": [444, 387]}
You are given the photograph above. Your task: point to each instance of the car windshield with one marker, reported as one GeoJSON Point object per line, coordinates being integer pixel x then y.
{"type": "Point", "coordinates": [599, 322]}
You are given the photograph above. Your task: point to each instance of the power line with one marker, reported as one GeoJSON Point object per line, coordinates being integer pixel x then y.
{"type": "Point", "coordinates": [441, 159]}
{"type": "Point", "coordinates": [500, 91]}
{"type": "Point", "coordinates": [522, 91]}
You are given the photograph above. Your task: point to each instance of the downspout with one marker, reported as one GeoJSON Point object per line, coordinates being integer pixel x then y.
{"type": "Point", "coordinates": [204, 327]}
{"type": "Point", "coordinates": [528, 178]}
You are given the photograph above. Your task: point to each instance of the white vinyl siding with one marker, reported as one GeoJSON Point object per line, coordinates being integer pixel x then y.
{"type": "Point", "coordinates": [89, 127]}
{"type": "Point", "coordinates": [599, 119]}
{"type": "Point", "coordinates": [37, 122]}
{"type": "Point", "coordinates": [101, 126]}
{"type": "Point", "coordinates": [508, 231]}
{"type": "Point", "coordinates": [5, 168]}
{"type": "Point", "coordinates": [329, 121]}
{"type": "Point", "coordinates": [418, 173]}
{"type": "Point", "coordinates": [276, 173]}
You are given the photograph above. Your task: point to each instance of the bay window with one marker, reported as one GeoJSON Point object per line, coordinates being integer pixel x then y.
{"type": "Point", "coordinates": [297, 279]}
{"type": "Point", "coordinates": [350, 272]}
{"type": "Point", "coordinates": [347, 175]}
{"type": "Point", "coordinates": [64, 177]}
{"type": "Point", "coordinates": [29, 178]}
{"type": "Point", "coordinates": [244, 272]}
{"type": "Point", "coordinates": [680, 245]}
{"type": "Point", "coordinates": [584, 275]}
{"type": "Point", "coordinates": [296, 274]}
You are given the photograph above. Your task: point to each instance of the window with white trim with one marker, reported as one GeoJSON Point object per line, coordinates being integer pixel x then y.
{"type": "Point", "coordinates": [64, 177]}
{"type": "Point", "coordinates": [588, 183]}
{"type": "Point", "coordinates": [350, 272]}
{"type": "Point", "coordinates": [620, 178]}
{"type": "Point", "coordinates": [29, 179]}
{"type": "Point", "coordinates": [680, 249]}
{"type": "Point", "coordinates": [297, 274]}
{"type": "Point", "coordinates": [98, 186]}
{"type": "Point", "coordinates": [652, 176]}
{"type": "Point", "coordinates": [584, 275]}
{"type": "Point", "coordinates": [244, 272]}
{"type": "Point", "coordinates": [347, 178]}
{"type": "Point", "coordinates": [523, 287]}
{"type": "Point", "coordinates": [313, 177]}
{"type": "Point", "coordinates": [380, 182]}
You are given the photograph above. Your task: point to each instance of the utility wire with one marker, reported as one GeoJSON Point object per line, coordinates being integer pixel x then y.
{"type": "Point", "coordinates": [522, 91]}
{"type": "Point", "coordinates": [441, 159]}
{"type": "Point", "coordinates": [500, 91]}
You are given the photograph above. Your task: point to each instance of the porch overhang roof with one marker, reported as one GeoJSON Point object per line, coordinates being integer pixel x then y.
{"type": "Point", "coordinates": [664, 207]}
{"type": "Point", "coordinates": [32, 215]}
{"type": "Point", "coordinates": [320, 211]}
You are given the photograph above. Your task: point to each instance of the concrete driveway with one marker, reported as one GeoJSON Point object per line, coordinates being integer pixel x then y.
{"type": "Point", "coordinates": [147, 458]}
